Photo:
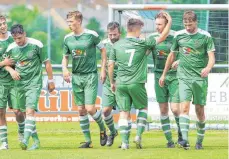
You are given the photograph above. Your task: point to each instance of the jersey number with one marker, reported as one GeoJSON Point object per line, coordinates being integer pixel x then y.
{"type": "Point", "coordinates": [131, 52]}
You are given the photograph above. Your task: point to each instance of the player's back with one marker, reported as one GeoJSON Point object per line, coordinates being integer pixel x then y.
{"type": "Point", "coordinates": [131, 58]}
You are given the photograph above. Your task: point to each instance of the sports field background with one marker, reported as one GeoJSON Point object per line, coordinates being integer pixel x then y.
{"type": "Point", "coordinates": [60, 141]}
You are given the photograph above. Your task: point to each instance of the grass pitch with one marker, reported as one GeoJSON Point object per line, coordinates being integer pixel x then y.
{"type": "Point", "coordinates": [60, 141]}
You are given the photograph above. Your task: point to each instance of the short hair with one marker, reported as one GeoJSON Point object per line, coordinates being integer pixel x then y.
{"type": "Point", "coordinates": [189, 16]}
{"type": "Point", "coordinates": [113, 25]}
{"type": "Point", "coordinates": [2, 17]}
{"type": "Point", "coordinates": [160, 15]}
{"type": "Point", "coordinates": [17, 29]}
{"type": "Point", "coordinates": [77, 14]}
{"type": "Point", "coordinates": [133, 22]}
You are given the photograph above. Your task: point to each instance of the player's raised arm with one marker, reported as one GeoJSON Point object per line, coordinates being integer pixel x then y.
{"type": "Point", "coordinates": [166, 30]}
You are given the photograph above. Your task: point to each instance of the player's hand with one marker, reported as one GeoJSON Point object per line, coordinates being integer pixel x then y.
{"type": "Point", "coordinates": [167, 16]}
{"type": "Point", "coordinates": [103, 76]}
{"type": "Point", "coordinates": [8, 62]}
{"type": "Point", "coordinates": [205, 72]}
{"type": "Point", "coordinates": [175, 64]}
{"type": "Point", "coordinates": [51, 86]}
{"type": "Point", "coordinates": [15, 75]}
{"type": "Point", "coordinates": [67, 76]}
{"type": "Point", "coordinates": [113, 87]}
{"type": "Point", "coordinates": [162, 81]}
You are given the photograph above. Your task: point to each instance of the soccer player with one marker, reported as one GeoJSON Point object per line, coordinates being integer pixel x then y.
{"type": "Point", "coordinates": [130, 54]}
{"type": "Point", "coordinates": [7, 89]}
{"type": "Point", "coordinates": [170, 92]}
{"type": "Point", "coordinates": [81, 45]}
{"type": "Point", "coordinates": [109, 101]}
{"type": "Point", "coordinates": [196, 53]}
{"type": "Point", "coordinates": [28, 56]}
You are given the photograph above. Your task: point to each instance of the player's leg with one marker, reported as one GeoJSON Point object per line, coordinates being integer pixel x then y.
{"type": "Point", "coordinates": [19, 112]}
{"type": "Point", "coordinates": [124, 104]}
{"type": "Point", "coordinates": [199, 99]}
{"type": "Point", "coordinates": [140, 101]}
{"type": "Point", "coordinates": [4, 91]}
{"type": "Point", "coordinates": [185, 93]}
{"type": "Point", "coordinates": [174, 99]}
{"type": "Point", "coordinates": [78, 93]}
{"type": "Point", "coordinates": [90, 90]}
{"type": "Point", "coordinates": [108, 104]}
{"type": "Point", "coordinates": [31, 98]}
{"type": "Point", "coordinates": [162, 96]}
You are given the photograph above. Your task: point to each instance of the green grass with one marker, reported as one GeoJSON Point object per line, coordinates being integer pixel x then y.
{"type": "Point", "coordinates": [60, 141]}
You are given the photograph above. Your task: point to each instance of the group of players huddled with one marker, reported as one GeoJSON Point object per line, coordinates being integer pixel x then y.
{"type": "Point", "coordinates": [182, 62]}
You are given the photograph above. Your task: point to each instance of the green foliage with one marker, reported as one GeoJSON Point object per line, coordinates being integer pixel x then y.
{"type": "Point", "coordinates": [94, 24]}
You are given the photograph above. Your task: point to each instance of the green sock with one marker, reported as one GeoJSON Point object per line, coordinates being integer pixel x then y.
{"type": "Point", "coordinates": [165, 125]}
{"type": "Point", "coordinates": [178, 126]}
{"type": "Point", "coordinates": [30, 123]}
{"type": "Point", "coordinates": [35, 135]}
{"type": "Point", "coordinates": [184, 126]}
{"type": "Point", "coordinates": [21, 127]}
{"type": "Point", "coordinates": [3, 134]}
{"type": "Point", "coordinates": [85, 126]}
{"type": "Point", "coordinates": [123, 128]}
{"type": "Point", "coordinates": [129, 128]}
{"type": "Point", "coordinates": [141, 122]}
{"type": "Point", "coordinates": [110, 123]}
{"type": "Point", "coordinates": [200, 126]}
{"type": "Point", "coordinates": [98, 118]}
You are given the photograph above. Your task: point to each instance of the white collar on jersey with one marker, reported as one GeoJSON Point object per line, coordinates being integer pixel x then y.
{"type": "Point", "coordinates": [8, 35]}
{"type": "Point", "coordinates": [198, 30]}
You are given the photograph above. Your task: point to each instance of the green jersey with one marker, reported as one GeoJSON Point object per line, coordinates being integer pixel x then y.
{"type": "Point", "coordinates": [161, 51]}
{"type": "Point", "coordinates": [108, 45]}
{"type": "Point", "coordinates": [5, 77]}
{"type": "Point", "coordinates": [29, 59]}
{"type": "Point", "coordinates": [130, 54]}
{"type": "Point", "coordinates": [83, 50]}
{"type": "Point", "coordinates": [193, 52]}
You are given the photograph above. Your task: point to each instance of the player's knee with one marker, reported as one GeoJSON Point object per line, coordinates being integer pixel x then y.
{"type": "Point", "coordinates": [106, 112]}
{"type": "Point", "coordinates": [2, 114]}
{"type": "Point", "coordinates": [16, 111]}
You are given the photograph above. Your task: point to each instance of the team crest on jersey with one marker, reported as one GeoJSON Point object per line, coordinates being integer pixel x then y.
{"type": "Point", "coordinates": [78, 53]}
{"type": "Point", "coordinates": [31, 54]}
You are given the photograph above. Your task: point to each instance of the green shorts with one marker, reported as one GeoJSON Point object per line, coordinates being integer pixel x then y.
{"type": "Point", "coordinates": [8, 93]}
{"type": "Point", "coordinates": [108, 97]}
{"type": "Point", "coordinates": [129, 94]}
{"type": "Point", "coordinates": [85, 88]}
{"type": "Point", "coordinates": [170, 91]}
{"type": "Point", "coordinates": [29, 96]}
{"type": "Point", "coordinates": [13, 100]}
{"type": "Point", "coordinates": [196, 89]}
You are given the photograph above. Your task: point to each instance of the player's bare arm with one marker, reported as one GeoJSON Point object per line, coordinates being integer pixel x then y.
{"type": "Point", "coordinates": [48, 67]}
{"type": "Point", "coordinates": [111, 73]}
{"type": "Point", "coordinates": [6, 62]}
{"type": "Point", "coordinates": [211, 62]}
{"type": "Point", "coordinates": [66, 73]}
{"type": "Point", "coordinates": [168, 64]}
{"type": "Point", "coordinates": [166, 30]}
{"type": "Point", "coordinates": [14, 74]}
{"type": "Point", "coordinates": [103, 65]}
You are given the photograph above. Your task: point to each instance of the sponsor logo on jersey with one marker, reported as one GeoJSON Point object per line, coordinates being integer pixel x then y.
{"type": "Point", "coordinates": [22, 63]}
{"type": "Point", "coordinates": [78, 53]}
{"type": "Point", "coordinates": [161, 53]}
{"type": "Point", "coordinates": [187, 50]}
